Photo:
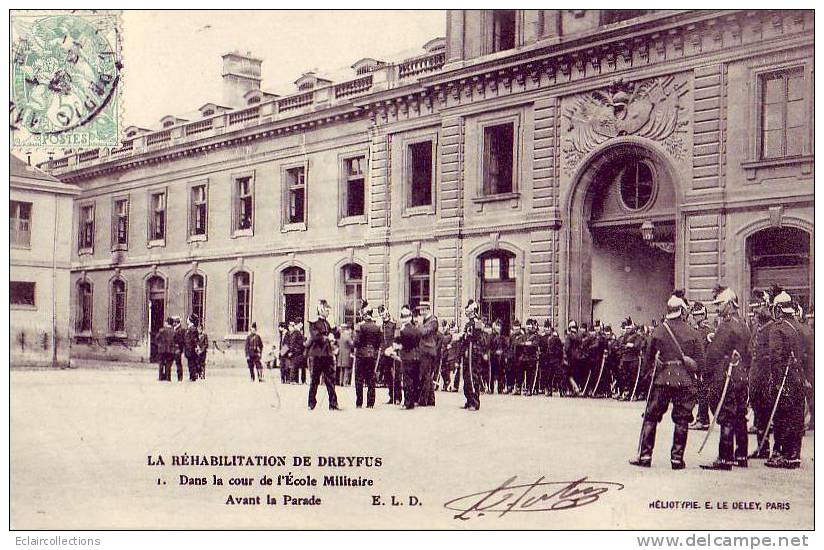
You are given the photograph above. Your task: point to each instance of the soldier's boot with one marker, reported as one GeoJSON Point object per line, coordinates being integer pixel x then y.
{"type": "Point", "coordinates": [741, 443]}
{"type": "Point", "coordinates": [679, 444]}
{"type": "Point", "coordinates": [644, 459]}
{"type": "Point", "coordinates": [699, 425]}
{"type": "Point", "coordinates": [260, 374]}
{"type": "Point", "coordinates": [762, 451]}
{"type": "Point", "coordinates": [725, 450]}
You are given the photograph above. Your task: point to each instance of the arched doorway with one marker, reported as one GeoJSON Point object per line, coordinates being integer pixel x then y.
{"type": "Point", "coordinates": [623, 235]}
{"type": "Point", "coordinates": [156, 304]}
{"type": "Point", "coordinates": [497, 277]}
{"type": "Point", "coordinates": [782, 256]}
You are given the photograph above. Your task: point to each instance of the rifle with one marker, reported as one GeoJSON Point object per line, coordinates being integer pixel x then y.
{"type": "Point", "coordinates": [736, 357]}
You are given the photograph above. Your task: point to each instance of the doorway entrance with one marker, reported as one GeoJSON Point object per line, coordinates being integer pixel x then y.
{"type": "Point", "coordinates": [156, 300]}
{"type": "Point", "coordinates": [497, 297]}
{"type": "Point", "coordinates": [293, 285]}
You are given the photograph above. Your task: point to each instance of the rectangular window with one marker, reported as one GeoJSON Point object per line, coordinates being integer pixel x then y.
{"type": "Point", "coordinates": [420, 174]}
{"type": "Point", "coordinates": [354, 187]}
{"type": "Point", "coordinates": [86, 237]}
{"type": "Point", "coordinates": [492, 269]}
{"type": "Point", "coordinates": [199, 210]}
{"type": "Point", "coordinates": [21, 293]}
{"type": "Point", "coordinates": [244, 203]}
{"type": "Point", "coordinates": [20, 223]}
{"type": "Point", "coordinates": [157, 219]}
{"type": "Point", "coordinates": [498, 159]}
{"type": "Point", "coordinates": [198, 296]}
{"type": "Point", "coordinates": [296, 195]}
{"type": "Point", "coordinates": [418, 290]}
{"type": "Point", "coordinates": [503, 30]}
{"type": "Point", "coordinates": [120, 229]}
{"type": "Point", "coordinates": [783, 114]}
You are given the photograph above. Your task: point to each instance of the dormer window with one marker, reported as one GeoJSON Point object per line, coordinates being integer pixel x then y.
{"type": "Point", "coordinates": [168, 123]}
{"type": "Point", "coordinates": [208, 112]}
{"type": "Point", "coordinates": [254, 100]}
{"type": "Point", "coordinates": [306, 86]}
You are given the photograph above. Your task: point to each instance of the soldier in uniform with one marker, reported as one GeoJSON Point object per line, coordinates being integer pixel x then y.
{"type": "Point", "coordinates": [498, 345]}
{"type": "Point", "coordinates": [573, 356]}
{"type": "Point", "coordinates": [406, 346]}
{"type": "Point", "coordinates": [631, 343]}
{"type": "Point", "coordinates": [190, 337]}
{"type": "Point", "coordinates": [180, 343]}
{"type": "Point", "coordinates": [727, 365]}
{"type": "Point", "coordinates": [321, 355]}
{"type": "Point", "coordinates": [788, 380]}
{"type": "Point", "coordinates": [808, 341]}
{"type": "Point", "coordinates": [389, 371]}
{"type": "Point", "coordinates": [165, 347]}
{"type": "Point", "coordinates": [472, 356]}
{"type": "Point", "coordinates": [201, 349]}
{"type": "Point", "coordinates": [367, 342]}
{"type": "Point", "coordinates": [601, 373]}
{"type": "Point", "coordinates": [677, 348]}
{"type": "Point", "coordinates": [253, 348]}
{"type": "Point", "coordinates": [297, 353]}
{"type": "Point", "coordinates": [526, 355]}
{"type": "Point", "coordinates": [612, 366]}
{"type": "Point", "coordinates": [427, 353]}
{"type": "Point", "coordinates": [516, 337]}
{"type": "Point", "coordinates": [450, 372]}
{"type": "Point", "coordinates": [555, 361]}
{"type": "Point", "coordinates": [759, 378]}
{"type": "Point", "coordinates": [699, 319]}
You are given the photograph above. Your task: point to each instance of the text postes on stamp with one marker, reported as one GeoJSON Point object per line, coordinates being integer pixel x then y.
{"type": "Point", "coordinates": [65, 71]}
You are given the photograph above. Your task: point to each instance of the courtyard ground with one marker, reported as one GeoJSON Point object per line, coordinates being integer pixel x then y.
{"type": "Point", "coordinates": [82, 440]}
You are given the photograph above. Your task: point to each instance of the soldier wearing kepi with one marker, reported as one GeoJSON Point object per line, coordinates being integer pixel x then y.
{"type": "Point", "coordinates": [726, 368]}
{"type": "Point", "coordinates": [254, 348]}
{"type": "Point", "coordinates": [428, 353]}
{"type": "Point", "coordinates": [406, 345]}
{"type": "Point", "coordinates": [759, 379]}
{"type": "Point", "coordinates": [674, 355]}
{"type": "Point", "coordinates": [699, 318]}
{"type": "Point", "coordinates": [190, 339]}
{"type": "Point", "coordinates": [389, 371]}
{"type": "Point", "coordinates": [367, 342]}
{"type": "Point", "coordinates": [472, 356]}
{"type": "Point", "coordinates": [787, 384]}
{"type": "Point", "coordinates": [526, 353]}
{"type": "Point", "coordinates": [321, 354]}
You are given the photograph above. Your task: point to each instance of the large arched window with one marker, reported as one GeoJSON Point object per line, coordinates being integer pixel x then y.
{"type": "Point", "coordinates": [117, 312]}
{"type": "Point", "coordinates": [242, 301]}
{"type": "Point", "coordinates": [418, 282]}
{"type": "Point", "coordinates": [781, 255]}
{"type": "Point", "coordinates": [636, 184]}
{"type": "Point", "coordinates": [351, 277]}
{"type": "Point", "coordinates": [85, 306]}
{"type": "Point", "coordinates": [197, 296]}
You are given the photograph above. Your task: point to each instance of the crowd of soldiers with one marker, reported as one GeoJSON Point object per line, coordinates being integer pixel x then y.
{"type": "Point", "coordinates": [762, 360]}
{"type": "Point", "coordinates": [173, 342]}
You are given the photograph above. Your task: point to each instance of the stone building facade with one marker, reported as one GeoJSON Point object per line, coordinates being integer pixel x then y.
{"type": "Point", "coordinates": [560, 164]}
{"type": "Point", "coordinates": [40, 207]}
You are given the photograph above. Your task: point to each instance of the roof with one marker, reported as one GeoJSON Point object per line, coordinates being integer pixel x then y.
{"type": "Point", "coordinates": [21, 174]}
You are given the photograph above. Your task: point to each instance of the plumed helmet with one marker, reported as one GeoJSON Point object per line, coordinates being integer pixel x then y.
{"type": "Point", "coordinates": [406, 313]}
{"type": "Point", "coordinates": [784, 301]}
{"type": "Point", "coordinates": [626, 323]}
{"type": "Point", "coordinates": [472, 307]}
{"type": "Point", "coordinates": [676, 306]}
{"type": "Point", "coordinates": [572, 325]}
{"type": "Point", "coordinates": [726, 296]}
{"type": "Point", "coordinates": [323, 308]}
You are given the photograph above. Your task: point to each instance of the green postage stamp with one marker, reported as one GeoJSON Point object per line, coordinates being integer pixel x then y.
{"type": "Point", "coordinates": [65, 79]}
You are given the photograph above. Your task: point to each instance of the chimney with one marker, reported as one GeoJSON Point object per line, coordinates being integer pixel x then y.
{"type": "Point", "coordinates": [241, 73]}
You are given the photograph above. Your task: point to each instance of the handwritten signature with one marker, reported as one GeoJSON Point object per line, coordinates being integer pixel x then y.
{"type": "Point", "coordinates": [538, 496]}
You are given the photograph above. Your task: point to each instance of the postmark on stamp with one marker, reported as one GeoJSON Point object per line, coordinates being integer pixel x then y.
{"type": "Point", "coordinates": [65, 76]}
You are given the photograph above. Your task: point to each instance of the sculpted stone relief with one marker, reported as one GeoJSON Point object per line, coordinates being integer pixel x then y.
{"type": "Point", "coordinates": [652, 109]}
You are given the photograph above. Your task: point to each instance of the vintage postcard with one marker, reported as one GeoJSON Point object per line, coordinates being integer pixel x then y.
{"type": "Point", "coordinates": [477, 269]}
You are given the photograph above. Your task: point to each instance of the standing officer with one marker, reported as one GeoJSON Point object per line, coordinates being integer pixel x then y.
{"type": "Point", "coordinates": [497, 357]}
{"type": "Point", "coordinates": [254, 348]}
{"type": "Point", "coordinates": [788, 381]}
{"type": "Point", "coordinates": [516, 373]}
{"type": "Point", "coordinates": [555, 361]}
{"type": "Point", "coordinates": [391, 376]}
{"type": "Point", "coordinates": [699, 319]}
{"type": "Point", "coordinates": [428, 353]}
{"type": "Point", "coordinates": [165, 347]}
{"type": "Point", "coordinates": [190, 337]}
{"type": "Point", "coordinates": [759, 379]}
{"type": "Point", "coordinates": [406, 346]}
{"type": "Point", "coordinates": [527, 356]}
{"type": "Point", "coordinates": [727, 364]}
{"type": "Point", "coordinates": [674, 355]}
{"type": "Point", "coordinates": [367, 343]}
{"type": "Point", "coordinates": [450, 372]}
{"type": "Point", "coordinates": [201, 349]}
{"type": "Point", "coordinates": [630, 348]}
{"type": "Point", "coordinates": [573, 353]}
{"type": "Point", "coordinates": [472, 356]}
{"type": "Point", "coordinates": [321, 355]}
{"type": "Point", "coordinates": [180, 344]}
